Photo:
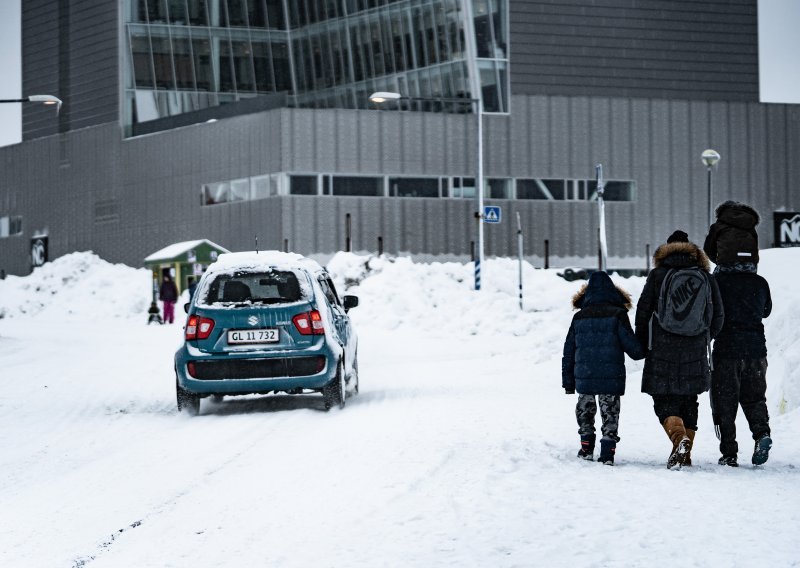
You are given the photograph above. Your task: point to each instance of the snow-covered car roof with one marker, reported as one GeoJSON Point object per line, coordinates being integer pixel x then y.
{"type": "Point", "coordinates": [263, 260]}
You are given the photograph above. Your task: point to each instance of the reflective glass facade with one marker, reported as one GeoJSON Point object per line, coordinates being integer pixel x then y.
{"type": "Point", "coordinates": [186, 55]}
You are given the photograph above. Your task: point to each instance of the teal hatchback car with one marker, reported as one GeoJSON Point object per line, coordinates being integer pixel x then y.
{"type": "Point", "coordinates": [266, 322]}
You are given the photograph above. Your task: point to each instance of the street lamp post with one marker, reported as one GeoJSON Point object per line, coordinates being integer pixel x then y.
{"type": "Point", "coordinates": [384, 96]}
{"type": "Point", "coordinates": [44, 99]}
{"type": "Point", "coordinates": [601, 213]}
{"type": "Point", "coordinates": [710, 159]}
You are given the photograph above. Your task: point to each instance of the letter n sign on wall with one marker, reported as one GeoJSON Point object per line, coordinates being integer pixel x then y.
{"type": "Point", "coordinates": [38, 251]}
{"type": "Point", "coordinates": [787, 228]}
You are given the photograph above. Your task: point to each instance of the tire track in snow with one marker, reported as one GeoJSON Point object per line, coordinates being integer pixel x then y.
{"type": "Point", "coordinates": [258, 435]}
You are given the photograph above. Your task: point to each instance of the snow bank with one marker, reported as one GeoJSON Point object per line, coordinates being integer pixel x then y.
{"type": "Point", "coordinates": [80, 285]}
{"type": "Point", "coordinates": [439, 297]}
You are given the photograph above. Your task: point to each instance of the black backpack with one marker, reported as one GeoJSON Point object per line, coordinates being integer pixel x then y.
{"type": "Point", "coordinates": [685, 305]}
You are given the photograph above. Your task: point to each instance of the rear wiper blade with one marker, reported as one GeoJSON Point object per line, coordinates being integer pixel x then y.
{"type": "Point", "coordinates": [272, 300]}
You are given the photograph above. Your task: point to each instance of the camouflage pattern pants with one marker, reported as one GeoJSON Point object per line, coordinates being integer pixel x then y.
{"type": "Point", "coordinates": [586, 410]}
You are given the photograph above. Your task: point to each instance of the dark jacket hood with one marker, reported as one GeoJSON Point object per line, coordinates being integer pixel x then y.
{"type": "Point", "coordinates": [601, 290]}
{"type": "Point", "coordinates": [680, 255]}
{"type": "Point", "coordinates": [738, 215]}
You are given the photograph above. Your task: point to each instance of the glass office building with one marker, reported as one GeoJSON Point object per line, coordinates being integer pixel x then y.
{"type": "Point", "coordinates": [188, 55]}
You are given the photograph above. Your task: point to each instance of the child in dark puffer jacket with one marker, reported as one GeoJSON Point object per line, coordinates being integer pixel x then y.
{"type": "Point", "coordinates": [732, 241]}
{"type": "Point", "coordinates": [593, 363]}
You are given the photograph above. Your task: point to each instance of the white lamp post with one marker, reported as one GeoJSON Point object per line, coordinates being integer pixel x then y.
{"type": "Point", "coordinates": [710, 159]}
{"type": "Point", "coordinates": [384, 96]}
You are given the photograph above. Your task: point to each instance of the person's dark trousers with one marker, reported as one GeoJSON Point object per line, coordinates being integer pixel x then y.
{"type": "Point", "coordinates": [586, 410]}
{"type": "Point", "coordinates": [682, 405]}
{"type": "Point", "coordinates": [735, 382]}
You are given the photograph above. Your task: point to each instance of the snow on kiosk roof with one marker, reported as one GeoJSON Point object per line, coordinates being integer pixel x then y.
{"type": "Point", "coordinates": [177, 252]}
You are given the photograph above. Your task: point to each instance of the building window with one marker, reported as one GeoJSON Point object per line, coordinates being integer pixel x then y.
{"type": "Point", "coordinates": [463, 187]}
{"type": "Point", "coordinates": [413, 187]}
{"type": "Point", "coordinates": [264, 186]}
{"type": "Point", "coordinates": [214, 193]}
{"type": "Point", "coordinates": [575, 190]}
{"type": "Point", "coordinates": [303, 185]}
{"type": "Point", "coordinates": [10, 226]}
{"type": "Point", "coordinates": [499, 188]}
{"type": "Point", "coordinates": [358, 186]}
{"type": "Point", "coordinates": [540, 189]}
{"type": "Point", "coordinates": [618, 191]}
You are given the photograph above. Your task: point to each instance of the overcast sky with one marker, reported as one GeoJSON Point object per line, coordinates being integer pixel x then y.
{"type": "Point", "coordinates": [779, 59]}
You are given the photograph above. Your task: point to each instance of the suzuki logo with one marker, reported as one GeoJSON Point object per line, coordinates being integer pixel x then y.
{"type": "Point", "coordinates": [790, 230]}
{"type": "Point", "coordinates": [252, 320]}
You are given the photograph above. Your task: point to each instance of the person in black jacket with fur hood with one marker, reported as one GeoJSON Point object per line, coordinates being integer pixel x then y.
{"type": "Point", "coordinates": [676, 368]}
{"type": "Point", "coordinates": [732, 242]}
{"type": "Point", "coordinates": [594, 361]}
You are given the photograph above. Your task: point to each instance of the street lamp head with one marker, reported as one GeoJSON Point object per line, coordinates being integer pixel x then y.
{"type": "Point", "coordinates": [710, 158]}
{"type": "Point", "coordinates": [383, 96]}
{"type": "Point", "coordinates": [46, 99]}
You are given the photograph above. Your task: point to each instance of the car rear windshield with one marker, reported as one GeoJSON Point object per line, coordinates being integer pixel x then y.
{"type": "Point", "coordinates": [271, 287]}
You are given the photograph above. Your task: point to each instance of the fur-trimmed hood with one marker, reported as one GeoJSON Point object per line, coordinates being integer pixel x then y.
{"type": "Point", "coordinates": [675, 255]}
{"type": "Point", "coordinates": [601, 290]}
{"type": "Point", "coordinates": [737, 214]}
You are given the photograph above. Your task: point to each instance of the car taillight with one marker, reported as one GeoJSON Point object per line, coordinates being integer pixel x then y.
{"type": "Point", "coordinates": [309, 323]}
{"type": "Point", "coordinates": [198, 327]}
{"type": "Point", "coordinates": [192, 369]}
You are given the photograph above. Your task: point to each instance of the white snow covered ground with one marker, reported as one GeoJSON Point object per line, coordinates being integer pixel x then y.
{"type": "Point", "coordinates": [459, 451]}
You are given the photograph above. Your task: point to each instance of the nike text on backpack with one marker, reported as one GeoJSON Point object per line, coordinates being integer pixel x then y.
{"type": "Point", "coordinates": [684, 303]}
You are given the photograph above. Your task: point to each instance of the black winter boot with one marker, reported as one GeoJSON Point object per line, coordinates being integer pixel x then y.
{"type": "Point", "coordinates": [728, 460]}
{"type": "Point", "coordinates": [587, 447]}
{"type": "Point", "coordinates": [761, 452]}
{"type": "Point", "coordinates": [608, 446]}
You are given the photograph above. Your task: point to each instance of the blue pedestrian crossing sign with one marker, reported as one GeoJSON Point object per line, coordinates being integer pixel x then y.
{"type": "Point", "coordinates": [491, 214]}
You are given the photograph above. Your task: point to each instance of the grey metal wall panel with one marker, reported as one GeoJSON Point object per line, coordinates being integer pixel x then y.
{"type": "Point", "coordinates": [643, 48]}
{"type": "Point", "coordinates": [620, 138]}
{"type": "Point", "coordinates": [347, 130]}
{"type": "Point", "coordinates": [559, 141]}
{"type": "Point", "coordinates": [578, 131]}
{"type": "Point", "coordinates": [368, 152]}
{"type": "Point", "coordinates": [154, 181]}
{"type": "Point", "coordinates": [540, 136]}
{"type": "Point", "coordinates": [40, 65]}
{"type": "Point", "coordinates": [70, 50]}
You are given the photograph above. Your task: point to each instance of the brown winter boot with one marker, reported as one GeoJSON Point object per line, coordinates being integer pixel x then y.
{"type": "Point", "coordinates": [681, 444]}
{"type": "Point", "coordinates": [690, 434]}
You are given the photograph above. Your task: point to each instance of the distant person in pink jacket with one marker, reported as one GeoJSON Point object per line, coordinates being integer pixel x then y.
{"type": "Point", "coordinates": [168, 293]}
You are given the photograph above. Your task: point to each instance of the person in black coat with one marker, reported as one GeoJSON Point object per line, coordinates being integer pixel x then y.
{"type": "Point", "coordinates": [740, 365]}
{"type": "Point", "coordinates": [593, 362]}
{"type": "Point", "coordinates": [676, 368]}
{"type": "Point", "coordinates": [732, 241]}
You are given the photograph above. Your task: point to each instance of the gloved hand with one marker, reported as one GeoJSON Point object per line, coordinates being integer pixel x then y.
{"type": "Point", "coordinates": [569, 391]}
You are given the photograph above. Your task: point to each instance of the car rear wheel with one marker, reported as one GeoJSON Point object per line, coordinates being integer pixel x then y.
{"type": "Point", "coordinates": [187, 402]}
{"type": "Point", "coordinates": [334, 392]}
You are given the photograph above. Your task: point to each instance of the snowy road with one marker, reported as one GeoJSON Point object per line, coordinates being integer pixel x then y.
{"type": "Point", "coordinates": [459, 451]}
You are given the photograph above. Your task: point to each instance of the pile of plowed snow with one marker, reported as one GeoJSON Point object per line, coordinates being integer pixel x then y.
{"type": "Point", "coordinates": [80, 285]}
{"type": "Point", "coordinates": [437, 298]}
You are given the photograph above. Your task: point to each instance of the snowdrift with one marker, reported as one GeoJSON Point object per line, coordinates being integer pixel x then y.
{"type": "Point", "coordinates": [80, 285]}
{"type": "Point", "coordinates": [438, 298]}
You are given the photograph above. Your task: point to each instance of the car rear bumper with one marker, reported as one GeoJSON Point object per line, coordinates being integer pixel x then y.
{"type": "Point", "coordinates": [246, 373]}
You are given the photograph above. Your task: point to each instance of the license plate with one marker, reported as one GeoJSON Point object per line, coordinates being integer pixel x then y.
{"type": "Point", "coordinates": [240, 336]}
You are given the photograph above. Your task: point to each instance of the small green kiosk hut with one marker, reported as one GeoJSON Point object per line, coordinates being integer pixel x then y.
{"type": "Point", "coordinates": [182, 261]}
